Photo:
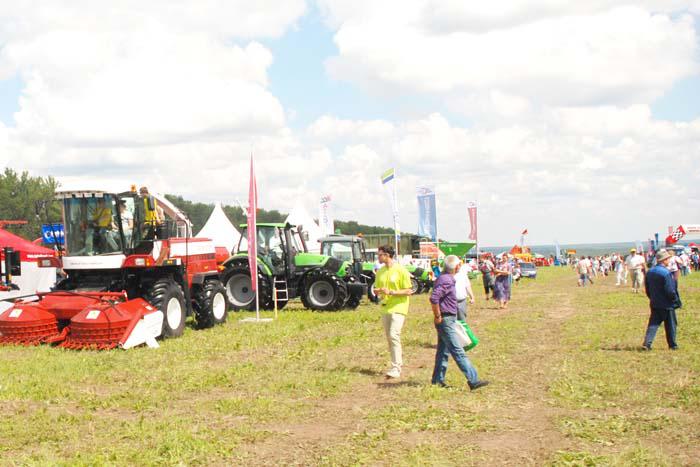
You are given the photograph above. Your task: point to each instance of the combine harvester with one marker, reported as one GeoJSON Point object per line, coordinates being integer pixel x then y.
{"type": "Point", "coordinates": [131, 277]}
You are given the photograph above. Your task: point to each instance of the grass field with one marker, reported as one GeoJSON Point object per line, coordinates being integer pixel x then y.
{"type": "Point", "coordinates": [569, 387]}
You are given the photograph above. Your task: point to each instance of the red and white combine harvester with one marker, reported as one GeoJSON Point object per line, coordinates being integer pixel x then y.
{"type": "Point", "coordinates": [131, 276]}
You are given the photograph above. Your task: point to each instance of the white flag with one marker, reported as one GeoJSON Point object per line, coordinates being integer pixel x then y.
{"type": "Point", "coordinates": [325, 216]}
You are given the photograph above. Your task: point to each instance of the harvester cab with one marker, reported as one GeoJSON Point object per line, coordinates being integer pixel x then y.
{"type": "Point", "coordinates": [287, 270]}
{"type": "Point", "coordinates": [128, 281]}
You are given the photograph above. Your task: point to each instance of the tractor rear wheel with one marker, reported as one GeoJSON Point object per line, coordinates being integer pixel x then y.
{"type": "Point", "coordinates": [324, 291]}
{"type": "Point", "coordinates": [239, 290]}
{"type": "Point", "coordinates": [415, 286]}
{"type": "Point", "coordinates": [210, 307]}
{"type": "Point", "coordinates": [166, 296]}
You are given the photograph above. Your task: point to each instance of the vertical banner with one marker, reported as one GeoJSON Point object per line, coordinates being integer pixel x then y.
{"type": "Point", "coordinates": [522, 237]}
{"type": "Point", "coordinates": [427, 217]}
{"type": "Point", "coordinates": [252, 230]}
{"type": "Point", "coordinates": [471, 210]}
{"type": "Point", "coordinates": [389, 183]}
{"type": "Point", "coordinates": [325, 216]}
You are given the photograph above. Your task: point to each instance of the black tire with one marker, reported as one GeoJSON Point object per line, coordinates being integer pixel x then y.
{"type": "Point", "coordinates": [415, 286]}
{"type": "Point", "coordinates": [324, 291]}
{"type": "Point", "coordinates": [353, 302]}
{"type": "Point", "coordinates": [210, 304]}
{"type": "Point", "coordinates": [239, 294]}
{"type": "Point", "coordinates": [166, 296]}
{"type": "Point", "coordinates": [373, 297]}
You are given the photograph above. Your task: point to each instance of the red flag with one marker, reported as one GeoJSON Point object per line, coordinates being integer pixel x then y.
{"type": "Point", "coordinates": [524, 232]}
{"type": "Point", "coordinates": [471, 209]}
{"type": "Point", "coordinates": [252, 230]}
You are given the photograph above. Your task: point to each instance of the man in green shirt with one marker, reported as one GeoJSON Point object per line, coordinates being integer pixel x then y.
{"type": "Point", "coordinates": [393, 286]}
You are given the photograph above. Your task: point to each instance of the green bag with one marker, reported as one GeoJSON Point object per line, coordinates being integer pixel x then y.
{"type": "Point", "coordinates": [466, 335]}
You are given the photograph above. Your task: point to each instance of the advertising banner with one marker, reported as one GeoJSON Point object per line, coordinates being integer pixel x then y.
{"type": "Point", "coordinates": [471, 210]}
{"type": "Point", "coordinates": [427, 216]}
{"type": "Point", "coordinates": [325, 216]}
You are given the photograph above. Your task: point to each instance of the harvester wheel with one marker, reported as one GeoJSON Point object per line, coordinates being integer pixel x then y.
{"type": "Point", "coordinates": [239, 292]}
{"type": "Point", "coordinates": [167, 296]}
{"type": "Point", "coordinates": [324, 291]}
{"type": "Point", "coordinates": [210, 304]}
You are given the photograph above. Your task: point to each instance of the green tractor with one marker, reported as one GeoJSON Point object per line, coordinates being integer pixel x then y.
{"type": "Point", "coordinates": [420, 279]}
{"type": "Point", "coordinates": [285, 266]}
{"type": "Point", "coordinates": [352, 248]}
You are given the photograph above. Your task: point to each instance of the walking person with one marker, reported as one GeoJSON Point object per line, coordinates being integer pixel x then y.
{"type": "Point", "coordinates": [501, 287]}
{"type": "Point", "coordinates": [463, 290]}
{"type": "Point", "coordinates": [393, 287]}
{"type": "Point", "coordinates": [443, 301]}
{"type": "Point", "coordinates": [636, 265]}
{"type": "Point", "coordinates": [663, 301]}
{"type": "Point", "coordinates": [486, 269]}
{"type": "Point", "coordinates": [620, 272]}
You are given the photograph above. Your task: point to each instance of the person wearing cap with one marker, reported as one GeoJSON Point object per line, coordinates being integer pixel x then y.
{"type": "Point", "coordinates": [443, 302]}
{"type": "Point", "coordinates": [637, 265]}
{"type": "Point", "coordinates": [663, 301]}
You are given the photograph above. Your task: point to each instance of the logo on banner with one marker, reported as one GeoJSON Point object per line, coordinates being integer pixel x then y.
{"type": "Point", "coordinates": [53, 234]}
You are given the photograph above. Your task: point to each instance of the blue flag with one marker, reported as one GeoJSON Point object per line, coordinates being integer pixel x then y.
{"type": "Point", "coordinates": [427, 216]}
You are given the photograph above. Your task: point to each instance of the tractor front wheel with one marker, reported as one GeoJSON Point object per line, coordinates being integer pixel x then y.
{"type": "Point", "coordinates": [239, 289]}
{"type": "Point", "coordinates": [415, 286]}
{"type": "Point", "coordinates": [166, 296]}
{"type": "Point", "coordinates": [324, 291]}
{"type": "Point", "coordinates": [210, 304]}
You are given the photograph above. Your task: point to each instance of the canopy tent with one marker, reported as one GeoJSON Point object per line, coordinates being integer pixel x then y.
{"type": "Point", "coordinates": [220, 229]}
{"type": "Point", "coordinates": [33, 278]}
{"type": "Point", "coordinates": [300, 216]}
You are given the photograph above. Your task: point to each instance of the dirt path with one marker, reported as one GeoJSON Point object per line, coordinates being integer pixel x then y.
{"type": "Point", "coordinates": [513, 440]}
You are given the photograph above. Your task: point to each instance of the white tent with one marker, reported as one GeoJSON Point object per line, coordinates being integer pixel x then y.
{"type": "Point", "coordinates": [220, 229]}
{"type": "Point", "coordinates": [300, 216]}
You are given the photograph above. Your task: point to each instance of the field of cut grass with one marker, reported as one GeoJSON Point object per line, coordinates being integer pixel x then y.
{"type": "Point", "coordinates": [569, 387]}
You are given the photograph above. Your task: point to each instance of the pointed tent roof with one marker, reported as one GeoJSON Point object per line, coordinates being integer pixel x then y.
{"type": "Point", "coordinates": [220, 229]}
{"type": "Point", "coordinates": [27, 249]}
{"type": "Point", "coordinates": [300, 216]}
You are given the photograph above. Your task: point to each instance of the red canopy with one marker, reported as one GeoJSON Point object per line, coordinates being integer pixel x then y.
{"type": "Point", "coordinates": [28, 250]}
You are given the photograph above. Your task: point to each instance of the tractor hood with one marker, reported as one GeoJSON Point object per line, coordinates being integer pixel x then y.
{"type": "Point", "coordinates": [306, 260]}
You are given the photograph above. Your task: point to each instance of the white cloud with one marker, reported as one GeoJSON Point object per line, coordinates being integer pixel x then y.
{"type": "Point", "coordinates": [585, 57]}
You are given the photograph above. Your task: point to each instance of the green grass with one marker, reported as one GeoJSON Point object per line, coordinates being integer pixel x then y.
{"type": "Point", "coordinates": [569, 388]}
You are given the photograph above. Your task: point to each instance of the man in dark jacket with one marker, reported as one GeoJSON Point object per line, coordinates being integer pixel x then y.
{"type": "Point", "coordinates": [663, 301]}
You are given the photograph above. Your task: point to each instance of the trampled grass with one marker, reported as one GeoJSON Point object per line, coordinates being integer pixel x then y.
{"type": "Point", "coordinates": [569, 387]}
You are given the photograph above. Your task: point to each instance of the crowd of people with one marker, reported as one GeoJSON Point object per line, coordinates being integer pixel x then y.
{"type": "Point", "coordinates": [656, 274]}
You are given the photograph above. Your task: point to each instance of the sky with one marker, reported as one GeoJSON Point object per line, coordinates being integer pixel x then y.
{"type": "Point", "coordinates": [578, 121]}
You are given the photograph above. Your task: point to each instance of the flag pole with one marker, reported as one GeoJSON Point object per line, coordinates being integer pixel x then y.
{"type": "Point", "coordinates": [396, 211]}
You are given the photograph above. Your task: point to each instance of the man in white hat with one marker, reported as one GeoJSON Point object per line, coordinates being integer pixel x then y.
{"type": "Point", "coordinates": [663, 301]}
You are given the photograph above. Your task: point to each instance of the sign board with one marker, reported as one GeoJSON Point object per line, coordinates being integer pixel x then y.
{"type": "Point", "coordinates": [570, 252]}
{"type": "Point", "coordinates": [49, 231]}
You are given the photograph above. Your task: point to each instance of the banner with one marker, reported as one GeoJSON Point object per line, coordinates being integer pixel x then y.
{"type": "Point", "coordinates": [252, 230]}
{"type": "Point", "coordinates": [325, 216]}
{"type": "Point", "coordinates": [389, 183]}
{"type": "Point", "coordinates": [52, 234]}
{"type": "Point", "coordinates": [471, 210]}
{"type": "Point", "coordinates": [427, 217]}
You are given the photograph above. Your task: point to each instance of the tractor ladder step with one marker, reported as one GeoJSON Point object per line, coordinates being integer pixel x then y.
{"type": "Point", "coordinates": [281, 292]}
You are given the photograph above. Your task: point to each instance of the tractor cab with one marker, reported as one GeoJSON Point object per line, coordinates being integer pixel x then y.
{"type": "Point", "coordinates": [278, 246]}
{"type": "Point", "coordinates": [349, 248]}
